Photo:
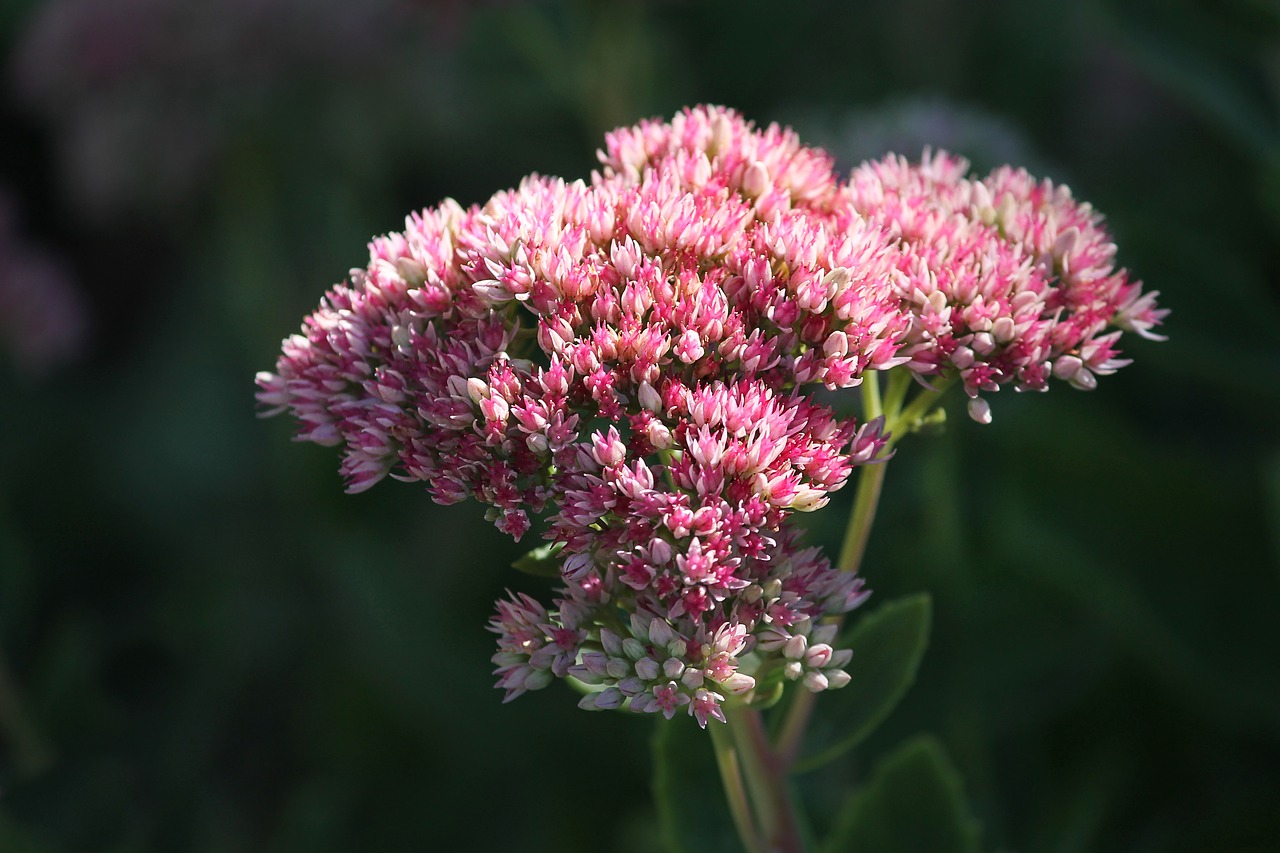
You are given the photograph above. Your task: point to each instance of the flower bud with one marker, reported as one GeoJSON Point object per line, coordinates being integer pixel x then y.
{"type": "Point", "coordinates": [611, 642]}
{"type": "Point", "coordinates": [808, 500]}
{"type": "Point", "coordinates": [739, 683]}
{"type": "Point", "coordinates": [755, 181]}
{"type": "Point", "coordinates": [633, 648]}
{"type": "Point", "coordinates": [823, 633]}
{"type": "Point", "coordinates": [649, 398]}
{"type": "Point", "coordinates": [631, 686]}
{"type": "Point", "coordinates": [477, 390]}
{"type": "Point", "coordinates": [538, 679]}
{"type": "Point", "coordinates": [818, 656]}
{"type": "Point", "coordinates": [836, 678]}
{"type": "Point", "coordinates": [660, 632]}
{"type": "Point", "coordinates": [647, 668]}
{"type": "Point", "coordinates": [815, 681]}
{"type": "Point", "coordinates": [980, 410]}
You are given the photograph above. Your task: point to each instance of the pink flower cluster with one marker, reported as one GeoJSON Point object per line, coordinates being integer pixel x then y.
{"type": "Point", "coordinates": [628, 359]}
{"type": "Point", "coordinates": [1005, 279]}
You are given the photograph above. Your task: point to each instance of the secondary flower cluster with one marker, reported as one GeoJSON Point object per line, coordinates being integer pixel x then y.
{"type": "Point", "coordinates": [629, 357]}
{"type": "Point", "coordinates": [1007, 279]}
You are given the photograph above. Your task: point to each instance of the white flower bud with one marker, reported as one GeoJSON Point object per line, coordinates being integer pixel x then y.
{"type": "Point", "coordinates": [836, 678]}
{"type": "Point", "coordinates": [807, 500]}
{"type": "Point", "coordinates": [631, 686]}
{"type": "Point", "coordinates": [660, 632]}
{"type": "Point", "coordinates": [755, 181]}
{"type": "Point", "coordinates": [824, 633]}
{"type": "Point", "coordinates": [649, 398]}
{"type": "Point", "coordinates": [815, 681]}
{"type": "Point", "coordinates": [658, 434]}
{"type": "Point", "coordinates": [477, 390]}
{"type": "Point", "coordinates": [491, 290]}
{"type": "Point", "coordinates": [836, 345]}
{"type": "Point", "coordinates": [648, 669]}
{"type": "Point", "coordinates": [608, 699]}
{"type": "Point", "coordinates": [1004, 330]}
{"type": "Point", "coordinates": [980, 410]}
{"type": "Point", "coordinates": [611, 642]}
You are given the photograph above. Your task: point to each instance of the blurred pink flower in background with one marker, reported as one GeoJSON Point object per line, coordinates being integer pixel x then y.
{"type": "Point", "coordinates": [144, 96]}
{"type": "Point", "coordinates": [43, 314]}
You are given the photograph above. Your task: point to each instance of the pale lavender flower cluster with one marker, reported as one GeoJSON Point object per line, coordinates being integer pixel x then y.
{"type": "Point", "coordinates": [628, 358]}
{"type": "Point", "coordinates": [44, 316]}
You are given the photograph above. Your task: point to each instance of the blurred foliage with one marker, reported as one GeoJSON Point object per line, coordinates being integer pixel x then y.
{"type": "Point", "coordinates": [206, 646]}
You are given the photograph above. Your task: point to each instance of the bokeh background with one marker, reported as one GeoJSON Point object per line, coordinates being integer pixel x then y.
{"type": "Point", "coordinates": [206, 646]}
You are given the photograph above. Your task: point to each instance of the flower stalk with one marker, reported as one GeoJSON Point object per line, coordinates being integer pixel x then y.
{"type": "Point", "coordinates": [766, 767]}
{"type": "Point", "coordinates": [726, 750]}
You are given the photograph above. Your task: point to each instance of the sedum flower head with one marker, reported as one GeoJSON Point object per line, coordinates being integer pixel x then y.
{"type": "Point", "coordinates": [1006, 279]}
{"type": "Point", "coordinates": [628, 359]}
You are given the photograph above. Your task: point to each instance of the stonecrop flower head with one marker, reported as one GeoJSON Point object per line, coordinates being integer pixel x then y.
{"type": "Point", "coordinates": [629, 360]}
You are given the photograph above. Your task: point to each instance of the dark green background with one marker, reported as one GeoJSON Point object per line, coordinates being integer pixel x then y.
{"type": "Point", "coordinates": [217, 650]}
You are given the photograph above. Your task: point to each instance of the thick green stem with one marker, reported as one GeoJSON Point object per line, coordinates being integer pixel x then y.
{"type": "Point", "coordinates": [766, 777]}
{"type": "Point", "coordinates": [768, 821]}
{"type": "Point", "coordinates": [898, 422]}
{"type": "Point", "coordinates": [857, 532]}
{"type": "Point", "coordinates": [722, 740]}
{"type": "Point", "coordinates": [865, 501]}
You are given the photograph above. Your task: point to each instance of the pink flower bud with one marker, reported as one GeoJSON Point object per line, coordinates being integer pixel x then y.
{"type": "Point", "coordinates": [818, 656]}
{"type": "Point", "coordinates": [795, 647]}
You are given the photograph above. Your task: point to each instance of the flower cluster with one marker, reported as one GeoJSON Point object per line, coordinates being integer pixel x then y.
{"type": "Point", "coordinates": [627, 358]}
{"type": "Point", "coordinates": [1005, 279]}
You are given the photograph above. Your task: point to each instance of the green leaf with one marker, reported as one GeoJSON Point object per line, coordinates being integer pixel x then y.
{"type": "Point", "coordinates": [543, 561]}
{"type": "Point", "coordinates": [913, 802]}
{"type": "Point", "coordinates": [687, 791]}
{"type": "Point", "coordinates": [887, 648]}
